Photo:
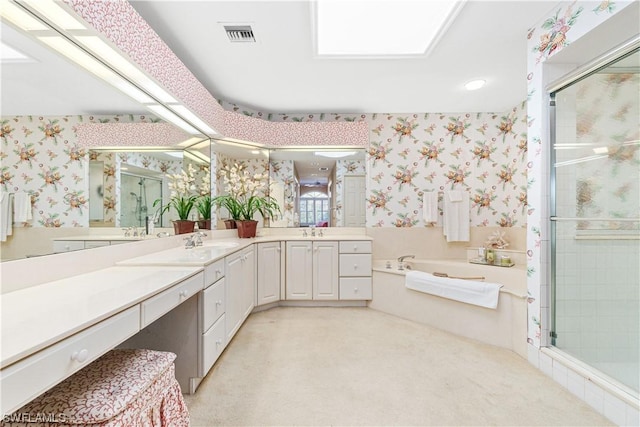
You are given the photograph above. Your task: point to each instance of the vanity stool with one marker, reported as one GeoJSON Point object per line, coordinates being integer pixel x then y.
{"type": "Point", "coordinates": [122, 388]}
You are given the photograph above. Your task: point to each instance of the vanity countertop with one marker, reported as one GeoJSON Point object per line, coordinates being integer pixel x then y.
{"type": "Point", "coordinates": [215, 249]}
{"type": "Point", "coordinates": [38, 316]}
{"type": "Point", "coordinates": [103, 237]}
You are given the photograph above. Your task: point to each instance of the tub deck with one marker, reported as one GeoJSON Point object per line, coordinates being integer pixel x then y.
{"type": "Point", "coordinates": [505, 326]}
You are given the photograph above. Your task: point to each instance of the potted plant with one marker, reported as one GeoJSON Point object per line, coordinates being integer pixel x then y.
{"type": "Point", "coordinates": [204, 204]}
{"type": "Point", "coordinates": [244, 199]}
{"type": "Point", "coordinates": [183, 199]}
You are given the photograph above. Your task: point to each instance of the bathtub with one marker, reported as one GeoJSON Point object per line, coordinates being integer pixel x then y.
{"type": "Point", "coordinates": [505, 326]}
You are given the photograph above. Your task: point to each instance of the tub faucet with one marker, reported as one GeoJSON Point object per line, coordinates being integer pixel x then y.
{"type": "Point", "coordinates": [401, 260]}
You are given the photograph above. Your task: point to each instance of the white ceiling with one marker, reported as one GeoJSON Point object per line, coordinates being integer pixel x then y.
{"type": "Point", "coordinates": [280, 72]}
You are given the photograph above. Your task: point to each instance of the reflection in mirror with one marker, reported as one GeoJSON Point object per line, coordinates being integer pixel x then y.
{"type": "Point", "coordinates": [319, 187]}
{"type": "Point", "coordinates": [312, 186]}
{"type": "Point", "coordinates": [123, 195]}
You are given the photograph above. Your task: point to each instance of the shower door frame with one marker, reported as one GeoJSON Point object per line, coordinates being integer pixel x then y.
{"type": "Point", "coordinates": [627, 48]}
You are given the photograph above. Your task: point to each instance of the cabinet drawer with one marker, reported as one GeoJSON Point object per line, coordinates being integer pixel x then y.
{"type": "Point", "coordinates": [355, 264]}
{"type": "Point", "coordinates": [355, 288]}
{"type": "Point", "coordinates": [213, 342]}
{"type": "Point", "coordinates": [213, 305]}
{"type": "Point", "coordinates": [67, 245]}
{"type": "Point", "coordinates": [88, 244]}
{"type": "Point", "coordinates": [355, 247]}
{"type": "Point", "coordinates": [29, 377]}
{"type": "Point", "coordinates": [213, 272]}
{"type": "Point", "coordinates": [155, 307]}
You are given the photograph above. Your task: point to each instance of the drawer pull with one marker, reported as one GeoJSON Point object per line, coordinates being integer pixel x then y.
{"type": "Point", "coordinates": [80, 356]}
{"type": "Point", "coordinates": [355, 247]}
{"type": "Point", "coordinates": [218, 272]}
{"type": "Point", "coordinates": [219, 302]}
{"type": "Point", "coordinates": [355, 266]}
{"type": "Point", "coordinates": [184, 294]}
{"type": "Point", "coordinates": [218, 341]}
{"type": "Point", "coordinates": [355, 290]}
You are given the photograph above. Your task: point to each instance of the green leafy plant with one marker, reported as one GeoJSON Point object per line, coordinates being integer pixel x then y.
{"type": "Point", "coordinates": [183, 196]}
{"type": "Point", "coordinates": [205, 202]}
{"type": "Point", "coordinates": [243, 199]}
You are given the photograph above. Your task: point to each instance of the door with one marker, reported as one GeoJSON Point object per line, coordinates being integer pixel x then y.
{"type": "Point", "coordinates": [298, 270]}
{"type": "Point", "coordinates": [352, 201]}
{"type": "Point", "coordinates": [325, 270]}
{"type": "Point", "coordinates": [248, 281]}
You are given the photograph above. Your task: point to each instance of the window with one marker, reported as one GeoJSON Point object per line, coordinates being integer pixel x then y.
{"type": "Point", "coordinates": [314, 208]}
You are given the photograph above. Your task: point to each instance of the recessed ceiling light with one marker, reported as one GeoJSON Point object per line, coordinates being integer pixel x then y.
{"type": "Point", "coordinates": [381, 27]}
{"type": "Point", "coordinates": [475, 84]}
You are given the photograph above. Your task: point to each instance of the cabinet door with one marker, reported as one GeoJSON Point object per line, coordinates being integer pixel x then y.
{"type": "Point", "coordinates": [325, 270]}
{"type": "Point", "coordinates": [248, 281]}
{"type": "Point", "coordinates": [233, 294]}
{"type": "Point", "coordinates": [268, 273]}
{"type": "Point", "coordinates": [298, 270]}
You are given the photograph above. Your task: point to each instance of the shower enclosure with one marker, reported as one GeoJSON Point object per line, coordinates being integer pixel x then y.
{"type": "Point", "coordinates": [595, 229]}
{"type": "Point", "coordinates": [137, 194]}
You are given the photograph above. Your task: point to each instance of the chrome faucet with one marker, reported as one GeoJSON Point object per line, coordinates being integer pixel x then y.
{"type": "Point", "coordinates": [401, 260]}
{"type": "Point", "coordinates": [190, 242]}
{"type": "Point", "coordinates": [313, 232]}
{"type": "Point", "coordinates": [198, 237]}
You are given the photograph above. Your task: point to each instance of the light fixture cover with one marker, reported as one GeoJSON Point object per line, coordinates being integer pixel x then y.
{"type": "Point", "coordinates": [475, 84]}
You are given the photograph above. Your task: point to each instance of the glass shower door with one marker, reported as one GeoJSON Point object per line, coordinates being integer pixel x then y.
{"type": "Point", "coordinates": [137, 196]}
{"type": "Point", "coordinates": [595, 230]}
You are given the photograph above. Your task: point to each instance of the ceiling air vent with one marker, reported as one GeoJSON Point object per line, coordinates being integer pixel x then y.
{"type": "Point", "coordinates": [240, 33]}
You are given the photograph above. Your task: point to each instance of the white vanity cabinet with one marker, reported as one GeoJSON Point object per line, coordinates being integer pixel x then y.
{"type": "Point", "coordinates": [240, 288]}
{"type": "Point", "coordinates": [312, 270]}
{"type": "Point", "coordinates": [268, 272]}
{"type": "Point", "coordinates": [211, 318]}
{"type": "Point", "coordinates": [355, 270]}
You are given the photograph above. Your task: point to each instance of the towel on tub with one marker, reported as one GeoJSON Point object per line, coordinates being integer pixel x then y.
{"type": "Point", "coordinates": [455, 216]}
{"type": "Point", "coordinates": [469, 291]}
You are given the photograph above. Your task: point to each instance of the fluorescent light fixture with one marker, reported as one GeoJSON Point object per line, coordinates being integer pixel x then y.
{"type": "Point", "coordinates": [190, 116]}
{"type": "Point", "coordinates": [191, 141]}
{"type": "Point", "coordinates": [601, 150]}
{"type": "Point", "coordinates": [381, 27]}
{"type": "Point", "coordinates": [19, 17]}
{"type": "Point", "coordinates": [176, 154]}
{"type": "Point", "coordinates": [55, 14]}
{"type": "Point", "coordinates": [255, 151]}
{"type": "Point", "coordinates": [172, 118]}
{"type": "Point", "coordinates": [88, 62]}
{"type": "Point", "coordinates": [197, 157]}
{"type": "Point", "coordinates": [475, 84]}
{"type": "Point", "coordinates": [101, 49]}
{"type": "Point", "coordinates": [335, 154]}
{"type": "Point", "coordinates": [11, 55]}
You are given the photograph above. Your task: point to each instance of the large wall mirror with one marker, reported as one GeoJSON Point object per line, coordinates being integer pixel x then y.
{"type": "Point", "coordinates": [128, 187]}
{"type": "Point", "coordinates": [322, 187]}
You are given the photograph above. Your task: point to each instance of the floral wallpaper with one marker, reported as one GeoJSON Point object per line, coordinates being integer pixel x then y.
{"type": "Point", "coordinates": [569, 22]}
{"type": "Point", "coordinates": [283, 189]}
{"type": "Point", "coordinates": [41, 156]}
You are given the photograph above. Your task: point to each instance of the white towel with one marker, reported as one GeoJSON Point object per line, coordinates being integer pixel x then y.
{"type": "Point", "coordinates": [430, 206]}
{"type": "Point", "coordinates": [22, 207]}
{"type": "Point", "coordinates": [6, 216]}
{"type": "Point", "coordinates": [482, 294]}
{"type": "Point", "coordinates": [455, 216]}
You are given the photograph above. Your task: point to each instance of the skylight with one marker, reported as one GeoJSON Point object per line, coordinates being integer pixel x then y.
{"type": "Point", "coordinates": [381, 27]}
